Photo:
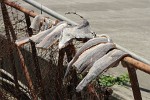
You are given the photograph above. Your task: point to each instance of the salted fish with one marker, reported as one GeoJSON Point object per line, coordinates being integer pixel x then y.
{"type": "Point", "coordinates": [42, 34]}
{"type": "Point", "coordinates": [52, 37]}
{"type": "Point", "coordinates": [81, 31]}
{"type": "Point", "coordinates": [108, 60]}
{"type": "Point", "coordinates": [87, 45]}
{"type": "Point", "coordinates": [90, 57]}
{"type": "Point", "coordinates": [41, 23]}
{"type": "Point", "coordinates": [35, 24]}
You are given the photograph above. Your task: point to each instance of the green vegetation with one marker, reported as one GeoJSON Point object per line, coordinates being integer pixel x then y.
{"type": "Point", "coordinates": [109, 80]}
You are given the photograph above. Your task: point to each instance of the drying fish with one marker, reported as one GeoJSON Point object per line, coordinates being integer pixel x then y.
{"type": "Point", "coordinates": [72, 32]}
{"type": "Point", "coordinates": [108, 60]}
{"type": "Point", "coordinates": [22, 41]}
{"type": "Point", "coordinates": [95, 58]}
{"type": "Point", "coordinates": [41, 35]}
{"type": "Point", "coordinates": [87, 45]}
{"type": "Point", "coordinates": [52, 37]}
{"type": "Point", "coordinates": [80, 31]}
{"type": "Point", "coordinates": [97, 52]}
{"type": "Point", "coordinates": [40, 23]}
{"type": "Point", "coordinates": [36, 22]}
{"type": "Point", "coordinates": [45, 24]}
{"type": "Point", "coordinates": [106, 36]}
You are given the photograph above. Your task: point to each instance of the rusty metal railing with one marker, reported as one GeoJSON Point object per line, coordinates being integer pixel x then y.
{"type": "Point", "coordinates": [131, 62]}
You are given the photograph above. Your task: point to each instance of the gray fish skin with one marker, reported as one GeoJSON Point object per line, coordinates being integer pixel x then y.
{"type": "Point", "coordinates": [75, 32]}
{"type": "Point", "coordinates": [42, 34]}
{"type": "Point", "coordinates": [69, 34]}
{"type": "Point", "coordinates": [92, 56]}
{"type": "Point", "coordinates": [105, 35]}
{"type": "Point", "coordinates": [87, 45]}
{"type": "Point", "coordinates": [100, 65]}
{"type": "Point", "coordinates": [35, 24]}
{"type": "Point", "coordinates": [84, 23]}
{"type": "Point", "coordinates": [40, 23]}
{"type": "Point", "coordinates": [90, 64]}
{"type": "Point", "coordinates": [46, 24]}
{"type": "Point", "coordinates": [52, 37]}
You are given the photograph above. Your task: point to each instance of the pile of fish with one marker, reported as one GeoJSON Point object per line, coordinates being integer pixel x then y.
{"type": "Point", "coordinates": [50, 32]}
{"type": "Point", "coordinates": [94, 57]}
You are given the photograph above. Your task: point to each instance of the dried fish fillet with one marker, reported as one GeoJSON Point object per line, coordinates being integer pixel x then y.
{"type": "Point", "coordinates": [41, 35]}
{"type": "Point", "coordinates": [90, 57]}
{"type": "Point", "coordinates": [87, 45]}
{"type": "Point", "coordinates": [40, 23]}
{"type": "Point", "coordinates": [35, 24]}
{"type": "Point", "coordinates": [52, 37]}
{"type": "Point", "coordinates": [81, 31]}
{"type": "Point", "coordinates": [108, 60]}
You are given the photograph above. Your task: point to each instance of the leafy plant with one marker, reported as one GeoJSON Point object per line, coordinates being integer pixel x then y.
{"type": "Point", "coordinates": [109, 80]}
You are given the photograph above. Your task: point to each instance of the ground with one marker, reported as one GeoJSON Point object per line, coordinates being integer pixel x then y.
{"type": "Point", "coordinates": [125, 21]}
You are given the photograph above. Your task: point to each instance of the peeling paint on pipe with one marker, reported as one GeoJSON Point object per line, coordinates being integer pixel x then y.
{"type": "Point", "coordinates": [49, 11]}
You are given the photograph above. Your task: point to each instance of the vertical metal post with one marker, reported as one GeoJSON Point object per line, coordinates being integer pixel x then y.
{"type": "Point", "coordinates": [1, 66]}
{"type": "Point", "coordinates": [8, 26]}
{"type": "Point", "coordinates": [1, 62]}
{"type": "Point", "coordinates": [27, 75]}
{"type": "Point", "coordinates": [59, 74]}
{"type": "Point", "coordinates": [35, 59]}
{"type": "Point", "coordinates": [70, 52]}
{"type": "Point", "coordinates": [134, 81]}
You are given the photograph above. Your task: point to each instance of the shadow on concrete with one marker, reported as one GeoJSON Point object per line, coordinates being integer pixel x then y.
{"type": "Point", "coordinates": [142, 89]}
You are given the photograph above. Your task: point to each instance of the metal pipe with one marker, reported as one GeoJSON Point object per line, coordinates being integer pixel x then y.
{"type": "Point", "coordinates": [49, 11]}
{"type": "Point", "coordinates": [59, 74]}
{"type": "Point", "coordinates": [60, 17]}
{"type": "Point", "coordinates": [133, 54]}
{"type": "Point", "coordinates": [134, 81]}
{"type": "Point", "coordinates": [27, 75]}
{"type": "Point", "coordinates": [137, 64]}
{"type": "Point", "coordinates": [9, 30]}
{"type": "Point", "coordinates": [18, 7]}
{"type": "Point", "coordinates": [35, 60]}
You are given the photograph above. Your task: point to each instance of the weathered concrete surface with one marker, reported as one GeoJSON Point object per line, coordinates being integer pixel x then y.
{"type": "Point", "coordinates": [127, 22]}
